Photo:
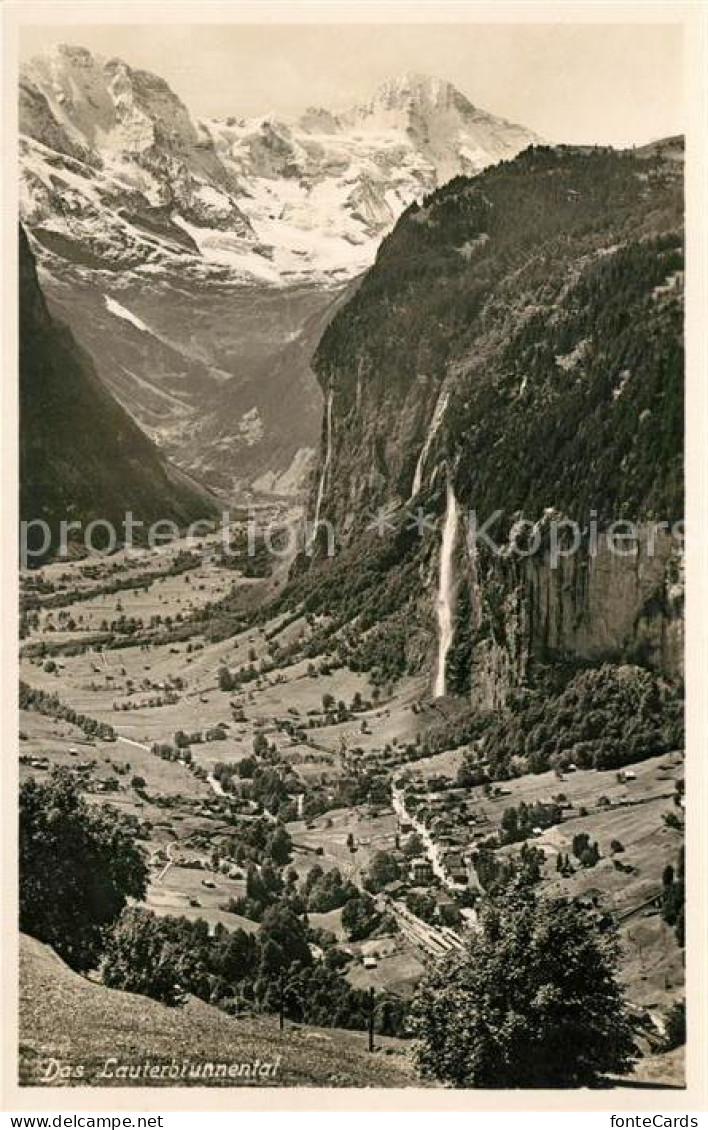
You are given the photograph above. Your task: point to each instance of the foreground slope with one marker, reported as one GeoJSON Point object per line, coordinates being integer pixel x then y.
{"type": "Point", "coordinates": [81, 455]}
{"type": "Point", "coordinates": [65, 1017]}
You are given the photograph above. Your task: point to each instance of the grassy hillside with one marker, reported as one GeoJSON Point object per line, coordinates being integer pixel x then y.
{"type": "Point", "coordinates": [68, 1018]}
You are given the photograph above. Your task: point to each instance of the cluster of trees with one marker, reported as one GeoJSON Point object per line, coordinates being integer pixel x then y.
{"type": "Point", "coordinates": [166, 958]}
{"type": "Point", "coordinates": [383, 869]}
{"type": "Point", "coordinates": [265, 888]}
{"type": "Point", "coordinates": [365, 786]}
{"type": "Point", "coordinates": [78, 864]}
{"type": "Point", "coordinates": [587, 852]}
{"type": "Point", "coordinates": [518, 823]}
{"type": "Point", "coordinates": [31, 698]}
{"type": "Point", "coordinates": [533, 1000]}
{"type": "Point", "coordinates": [44, 595]}
{"type": "Point", "coordinates": [602, 718]}
{"type": "Point", "coordinates": [79, 867]}
{"type": "Point", "coordinates": [268, 785]}
{"type": "Point", "coordinates": [422, 904]}
{"type": "Point", "coordinates": [253, 556]}
{"type": "Point", "coordinates": [361, 918]}
{"type": "Point", "coordinates": [323, 891]}
{"type": "Point", "coordinates": [258, 841]}
{"type": "Point", "coordinates": [497, 873]}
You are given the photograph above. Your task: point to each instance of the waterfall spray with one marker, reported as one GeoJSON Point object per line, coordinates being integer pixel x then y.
{"type": "Point", "coordinates": [445, 601]}
{"type": "Point", "coordinates": [325, 464]}
{"type": "Point", "coordinates": [432, 430]}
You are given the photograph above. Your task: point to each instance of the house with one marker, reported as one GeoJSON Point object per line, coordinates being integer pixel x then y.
{"type": "Point", "coordinates": [452, 859]}
{"type": "Point", "coordinates": [421, 870]}
{"type": "Point", "coordinates": [370, 963]}
{"type": "Point", "coordinates": [394, 889]}
{"type": "Point", "coordinates": [458, 874]}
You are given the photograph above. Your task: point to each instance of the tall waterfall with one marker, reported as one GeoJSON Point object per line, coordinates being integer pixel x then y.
{"type": "Point", "coordinates": [434, 425]}
{"type": "Point", "coordinates": [445, 601]}
{"type": "Point", "coordinates": [325, 463]}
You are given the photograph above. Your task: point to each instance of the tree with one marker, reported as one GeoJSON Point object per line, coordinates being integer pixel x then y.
{"type": "Point", "coordinates": [260, 744]}
{"type": "Point", "coordinates": [413, 846]}
{"type": "Point", "coordinates": [144, 955]}
{"type": "Point", "coordinates": [532, 1001]}
{"type": "Point", "coordinates": [422, 905]}
{"type": "Point", "coordinates": [226, 680]}
{"type": "Point", "coordinates": [383, 869]}
{"type": "Point", "coordinates": [581, 842]}
{"type": "Point", "coordinates": [360, 917]}
{"type": "Point", "coordinates": [78, 867]}
{"type": "Point", "coordinates": [281, 928]}
{"type": "Point", "coordinates": [673, 907]}
{"type": "Point", "coordinates": [280, 846]}
{"type": "Point", "coordinates": [675, 1034]}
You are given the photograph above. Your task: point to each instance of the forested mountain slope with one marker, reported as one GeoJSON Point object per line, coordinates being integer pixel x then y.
{"type": "Point", "coordinates": [520, 336]}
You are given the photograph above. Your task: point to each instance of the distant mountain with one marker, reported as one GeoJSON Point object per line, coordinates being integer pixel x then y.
{"type": "Point", "coordinates": [324, 188]}
{"type": "Point", "coordinates": [113, 166]}
{"type": "Point", "coordinates": [116, 173]}
{"type": "Point", "coordinates": [198, 261]}
{"type": "Point", "coordinates": [81, 456]}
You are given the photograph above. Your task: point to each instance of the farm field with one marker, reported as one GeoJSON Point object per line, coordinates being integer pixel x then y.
{"type": "Point", "coordinates": [398, 968]}
{"type": "Point", "coordinates": [330, 833]}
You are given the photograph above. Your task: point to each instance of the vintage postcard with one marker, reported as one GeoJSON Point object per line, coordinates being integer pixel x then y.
{"type": "Point", "coordinates": [348, 694]}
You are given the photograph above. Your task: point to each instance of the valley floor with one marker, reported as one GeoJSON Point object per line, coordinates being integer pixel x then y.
{"type": "Point", "coordinates": [149, 692]}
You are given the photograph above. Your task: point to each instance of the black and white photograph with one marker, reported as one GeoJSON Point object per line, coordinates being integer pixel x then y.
{"type": "Point", "coordinates": [350, 745]}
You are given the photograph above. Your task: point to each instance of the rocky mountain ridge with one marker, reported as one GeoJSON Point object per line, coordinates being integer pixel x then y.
{"type": "Point", "coordinates": [116, 171]}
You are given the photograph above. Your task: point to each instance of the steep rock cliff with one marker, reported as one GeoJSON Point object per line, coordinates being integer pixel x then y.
{"type": "Point", "coordinates": [521, 336]}
{"type": "Point", "coordinates": [82, 457]}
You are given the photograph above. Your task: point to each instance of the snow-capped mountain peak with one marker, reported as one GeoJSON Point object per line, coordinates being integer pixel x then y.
{"type": "Point", "coordinates": [113, 161]}
{"type": "Point", "coordinates": [414, 90]}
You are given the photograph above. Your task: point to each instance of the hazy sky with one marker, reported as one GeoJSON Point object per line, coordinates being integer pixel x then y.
{"type": "Point", "coordinates": [615, 84]}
